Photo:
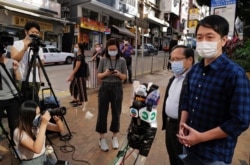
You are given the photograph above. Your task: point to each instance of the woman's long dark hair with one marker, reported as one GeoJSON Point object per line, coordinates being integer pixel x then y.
{"type": "Point", "coordinates": [113, 41]}
{"type": "Point", "coordinates": [27, 114]}
{"type": "Point", "coordinates": [81, 47]}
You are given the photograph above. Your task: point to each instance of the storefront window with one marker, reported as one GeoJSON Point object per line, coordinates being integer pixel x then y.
{"type": "Point", "coordinates": [90, 14]}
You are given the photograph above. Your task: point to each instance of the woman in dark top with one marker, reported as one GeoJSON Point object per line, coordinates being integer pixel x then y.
{"type": "Point", "coordinates": [78, 76]}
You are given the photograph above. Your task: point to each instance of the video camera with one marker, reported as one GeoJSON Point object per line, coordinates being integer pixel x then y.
{"type": "Point", "coordinates": [56, 111]}
{"type": "Point", "coordinates": [35, 42]}
{"type": "Point", "coordinates": [5, 40]}
{"type": "Point", "coordinates": [53, 112]}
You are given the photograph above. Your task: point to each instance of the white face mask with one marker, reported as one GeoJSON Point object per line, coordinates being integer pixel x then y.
{"type": "Point", "coordinates": [76, 50]}
{"type": "Point", "coordinates": [207, 49]}
{"type": "Point", "coordinates": [113, 53]}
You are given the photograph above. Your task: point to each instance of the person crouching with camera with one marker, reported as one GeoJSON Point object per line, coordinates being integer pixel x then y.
{"type": "Point", "coordinates": [30, 137]}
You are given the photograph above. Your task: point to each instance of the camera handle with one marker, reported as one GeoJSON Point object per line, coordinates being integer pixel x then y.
{"type": "Point", "coordinates": [35, 90]}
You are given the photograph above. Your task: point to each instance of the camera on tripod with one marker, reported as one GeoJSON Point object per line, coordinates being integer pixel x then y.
{"type": "Point", "coordinates": [5, 40]}
{"type": "Point", "coordinates": [35, 42]}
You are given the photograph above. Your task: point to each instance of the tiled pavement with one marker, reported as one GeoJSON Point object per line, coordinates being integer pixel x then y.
{"type": "Point", "coordinates": [85, 139]}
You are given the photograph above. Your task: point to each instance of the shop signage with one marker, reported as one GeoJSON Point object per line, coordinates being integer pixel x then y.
{"type": "Point", "coordinates": [86, 23]}
{"type": "Point", "coordinates": [226, 9]}
{"type": "Point", "coordinates": [21, 21]}
{"type": "Point", "coordinates": [141, 23]}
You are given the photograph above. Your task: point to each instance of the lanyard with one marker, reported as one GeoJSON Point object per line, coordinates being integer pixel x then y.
{"type": "Point", "coordinates": [112, 64]}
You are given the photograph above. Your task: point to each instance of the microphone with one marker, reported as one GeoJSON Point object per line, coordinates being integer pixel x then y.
{"type": "Point", "coordinates": [153, 98]}
{"type": "Point", "coordinates": [148, 114]}
{"type": "Point", "coordinates": [133, 112]}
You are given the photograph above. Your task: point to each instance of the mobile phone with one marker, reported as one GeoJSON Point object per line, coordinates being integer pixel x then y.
{"type": "Point", "coordinates": [111, 69]}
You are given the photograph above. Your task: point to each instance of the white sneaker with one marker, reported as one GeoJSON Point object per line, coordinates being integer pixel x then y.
{"type": "Point", "coordinates": [103, 144]}
{"type": "Point", "coordinates": [115, 143]}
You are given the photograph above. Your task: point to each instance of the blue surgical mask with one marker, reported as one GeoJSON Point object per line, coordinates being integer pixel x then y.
{"type": "Point", "coordinates": [36, 122]}
{"type": "Point", "coordinates": [76, 50]}
{"type": "Point", "coordinates": [113, 53]}
{"type": "Point", "coordinates": [177, 67]}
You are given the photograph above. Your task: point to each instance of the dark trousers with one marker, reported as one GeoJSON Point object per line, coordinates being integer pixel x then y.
{"type": "Point", "coordinates": [12, 108]}
{"type": "Point", "coordinates": [129, 67]}
{"type": "Point", "coordinates": [174, 147]}
{"type": "Point", "coordinates": [73, 89]}
{"type": "Point", "coordinates": [79, 88]}
{"type": "Point", "coordinates": [109, 93]}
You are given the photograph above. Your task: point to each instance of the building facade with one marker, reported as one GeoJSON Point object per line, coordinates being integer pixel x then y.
{"type": "Point", "coordinates": [99, 20]}
{"type": "Point", "coordinates": [47, 13]}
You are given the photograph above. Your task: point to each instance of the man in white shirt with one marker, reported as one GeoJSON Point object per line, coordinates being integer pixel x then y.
{"type": "Point", "coordinates": [22, 52]}
{"type": "Point", "coordinates": [182, 59]}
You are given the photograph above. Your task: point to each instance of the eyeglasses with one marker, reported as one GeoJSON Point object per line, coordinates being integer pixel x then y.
{"type": "Point", "coordinates": [177, 59]}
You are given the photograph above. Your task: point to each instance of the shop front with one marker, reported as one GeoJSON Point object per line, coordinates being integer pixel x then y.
{"type": "Point", "coordinates": [89, 32]}
{"type": "Point", "coordinates": [13, 21]}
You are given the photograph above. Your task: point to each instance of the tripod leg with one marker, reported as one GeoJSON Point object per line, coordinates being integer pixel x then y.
{"type": "Point", "coordinates": [53, 93]}
{"type": "Point", "coordinates": [11, 143]}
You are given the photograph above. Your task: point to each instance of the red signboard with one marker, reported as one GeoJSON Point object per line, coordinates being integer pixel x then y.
{"type": "Point", "coordinates": [86, 23]}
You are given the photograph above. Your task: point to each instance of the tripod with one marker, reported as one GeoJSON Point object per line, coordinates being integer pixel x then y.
{"type": "Point", "coordinates": [34, 93]}
{"type": "Point", "coordinates": [11, 143]}
{"type": "Point", "coordinates": [19, 97]}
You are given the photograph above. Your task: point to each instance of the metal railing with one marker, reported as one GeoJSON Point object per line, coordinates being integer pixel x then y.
{"type": "Point", "coordinates": [92, 79]}
{"type": "Point", "coordinates": [140, 65]}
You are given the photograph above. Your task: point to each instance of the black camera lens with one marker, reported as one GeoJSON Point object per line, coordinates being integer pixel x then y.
{"type": "Point", "coordinates": [57, 111]}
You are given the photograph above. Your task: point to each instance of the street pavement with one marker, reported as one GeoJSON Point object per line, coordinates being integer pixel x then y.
{"type": "Point", "coordinates": [83, 147]}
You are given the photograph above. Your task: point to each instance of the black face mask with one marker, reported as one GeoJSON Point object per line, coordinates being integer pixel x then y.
{"type": "Point", "coordinates": [36, 122]}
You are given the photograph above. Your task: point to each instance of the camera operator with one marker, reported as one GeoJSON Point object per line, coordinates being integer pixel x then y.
{"type": "Point", "coordinates": [30, 137]}
{"type": "Point", "coordinates": [8, 93]}
{"type": "Point", "coordinates": [20, 51]}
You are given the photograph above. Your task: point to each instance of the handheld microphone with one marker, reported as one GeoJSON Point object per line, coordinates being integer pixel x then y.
{"type": "Point", "coordinates": [133, 112]}
{"type": "Point", "coordinates": [147, 115]}
{"type": "Point", "coordinates": [153, 98]}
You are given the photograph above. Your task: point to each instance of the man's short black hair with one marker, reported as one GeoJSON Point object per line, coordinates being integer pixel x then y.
{"type": "Point", "coordinates": [30, 25]}
{"type": "Point", "coordinates": [219, 24]}
{"type": "Point", "coordinates": [188, 52]}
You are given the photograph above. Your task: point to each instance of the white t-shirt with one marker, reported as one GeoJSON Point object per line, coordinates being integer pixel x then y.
{"type": "Point", "coordinates": [23, 152]}
{"type": "Point", "coordinates": [25, 61]}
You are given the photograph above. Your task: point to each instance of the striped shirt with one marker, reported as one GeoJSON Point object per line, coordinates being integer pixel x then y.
{"type": "Point", "coordinates": [218, 95]}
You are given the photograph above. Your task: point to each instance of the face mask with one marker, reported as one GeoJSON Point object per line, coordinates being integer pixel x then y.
{"type": "Point", "coordinates": [36, 122]}
{"type": "Point", "coordinates": [113, 53]}
{"type": "Point", "coordinates": [76, 50]}
{"type": "Point", "coordinates": [206, 49]}
{"type": "Point", "coordinates": [177, 67]}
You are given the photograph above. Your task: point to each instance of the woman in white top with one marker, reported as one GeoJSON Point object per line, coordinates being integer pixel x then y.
{"type": "Point", "coordinates": [29, 136]}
